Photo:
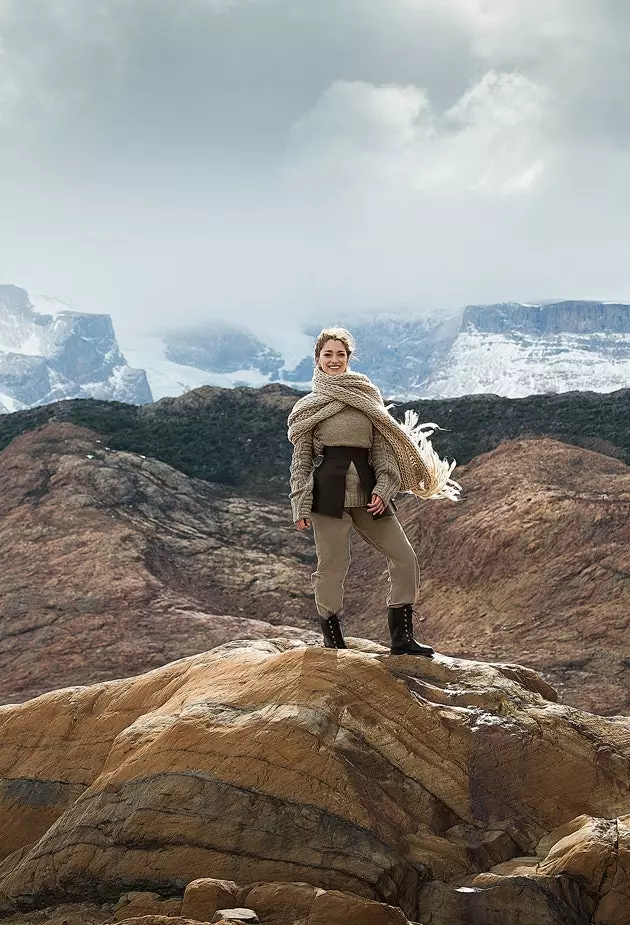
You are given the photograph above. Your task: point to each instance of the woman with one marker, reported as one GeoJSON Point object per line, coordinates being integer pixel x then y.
{"type": "Point", "coordinates": [350, 459]}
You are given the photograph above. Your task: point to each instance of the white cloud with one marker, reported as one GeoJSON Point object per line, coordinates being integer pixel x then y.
{"type": "Point", "coordinates": [265, 158]}
{"type": "Point", "coordinates": [360, 135]}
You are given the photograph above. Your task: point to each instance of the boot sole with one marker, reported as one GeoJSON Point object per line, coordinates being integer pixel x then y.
{"type": "Point", "coordinates": [421, 654]}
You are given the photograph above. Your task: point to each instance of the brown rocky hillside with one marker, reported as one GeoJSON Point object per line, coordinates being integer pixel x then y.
{"type": "Point", "coordinates": [533, 566]}
{"type": "Point", "coordinates": [306, 786]}
{"type": "Point", "coordinates": [113, 564]}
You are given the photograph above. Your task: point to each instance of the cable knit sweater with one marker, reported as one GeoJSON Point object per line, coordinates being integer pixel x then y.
{"type": "Point", "coordinates": [349, 427]}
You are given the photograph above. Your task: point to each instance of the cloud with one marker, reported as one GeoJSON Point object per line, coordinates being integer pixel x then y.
{"type": "Point", "coordinates": [267, 158]}
{"type": "Point", "coordinates": [491, 138]}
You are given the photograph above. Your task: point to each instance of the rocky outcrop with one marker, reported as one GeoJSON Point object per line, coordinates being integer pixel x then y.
{"type": "Point", "coordinates": [532, 565]}
{"type": "Point", "coordinates": [48, 352]}
{"type": "Point", "coordinates": [113, 564]}
{"type": "Point", "coordinates": [569, 316]}
{"type": "Point", "coordinates": [400, 781]}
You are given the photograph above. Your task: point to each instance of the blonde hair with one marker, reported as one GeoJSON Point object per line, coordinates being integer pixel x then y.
{"type": "Point", "coordinates": [340, 334]}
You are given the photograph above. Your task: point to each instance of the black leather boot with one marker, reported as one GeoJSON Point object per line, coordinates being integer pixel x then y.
{"type": "Point", "coordinates": [331, 628]}
{"type": "Point", "coordinates": [400, 621]}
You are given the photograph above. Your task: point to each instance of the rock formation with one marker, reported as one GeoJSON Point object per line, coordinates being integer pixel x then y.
{"type": "Point", "coordinates": [48, 353]}
{"type": "Point", "coordinates": [444, 791]}
{"type": "Point", "coordinates": [532, 565]}
{"type": "Point", "coordinates": [113, 564]}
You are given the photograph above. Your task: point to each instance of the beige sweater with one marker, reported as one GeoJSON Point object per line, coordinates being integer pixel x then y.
{"type": "Point", "coordinates": [349, 427]}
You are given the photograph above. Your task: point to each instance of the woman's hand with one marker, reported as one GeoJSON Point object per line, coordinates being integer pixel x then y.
{"type": "Point", "coordinates": [303, 524]}
{"type": "Point", "coordinates": [376, 505]}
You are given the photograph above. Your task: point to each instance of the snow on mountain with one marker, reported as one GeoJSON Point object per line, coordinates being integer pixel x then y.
{"type": "Point", "coordinates": [47, 305]}
{"type": "Point", "coordinates": [49, 352]}
{"type": "Point", "coordinates": [513, 350]}
{"type": "Point", "coordinates": [168, 378]}
{"type": "Point", "coordinates": [396, 350]}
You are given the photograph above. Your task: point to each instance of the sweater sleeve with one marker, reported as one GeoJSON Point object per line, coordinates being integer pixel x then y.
{"type": "Point", "coordinates": [385, 468]}
{"type": "Point", "coordinates": [301, 477]}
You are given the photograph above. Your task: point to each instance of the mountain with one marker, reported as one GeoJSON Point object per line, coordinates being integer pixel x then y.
{"type": "Point", "coordinates": [113, 563]}
{"type": "Point", "coordinates": [138, 562]}
{"type": "Point", "coordinates": [238, 437]}
{"type": "Point", "coordinates": [508, 349]}
{"type": "Point", "coordinates": [307, 786]}
{"type": "Point", "coordinates": [515, 350]}
{"type": "Point", "coordinates": [397, 351]}
{"type": "Point", "coordinates": [48, 352]}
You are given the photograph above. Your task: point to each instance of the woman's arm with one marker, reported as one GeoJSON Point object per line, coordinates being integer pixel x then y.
{"type": "Point", "coordinates": [301, 478]}
{"type": "Point", "coordinates": [385, 468]}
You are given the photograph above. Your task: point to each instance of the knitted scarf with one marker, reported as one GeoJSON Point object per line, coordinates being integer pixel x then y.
{"type": "Point", "coordinates": [421, 470]}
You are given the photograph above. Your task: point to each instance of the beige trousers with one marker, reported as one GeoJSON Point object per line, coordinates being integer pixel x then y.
{"type": "Point", "coordinates": [332, 542]}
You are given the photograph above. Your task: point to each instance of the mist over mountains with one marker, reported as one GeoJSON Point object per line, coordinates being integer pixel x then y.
{"type": "Point", "coordinates": [509, 349]}
{"type": "Point", "coordinates": [49, 352]}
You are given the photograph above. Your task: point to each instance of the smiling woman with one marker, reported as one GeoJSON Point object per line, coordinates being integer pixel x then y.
{"type": "Point", "coordinates": [350, 459]}
{"type": "Point", "coordinates": [334, 355]}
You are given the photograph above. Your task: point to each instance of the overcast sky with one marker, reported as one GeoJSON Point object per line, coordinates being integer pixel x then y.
{"type": "Point", "coordinates": [175, 160]}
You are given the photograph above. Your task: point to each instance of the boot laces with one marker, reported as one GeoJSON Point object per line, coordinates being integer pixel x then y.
{"type": "Point", "coordinates": [409, 614]}
{"type": "Point", "coordinates": [334, 625]}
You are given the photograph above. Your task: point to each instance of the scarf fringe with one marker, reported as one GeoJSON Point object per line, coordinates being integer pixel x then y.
{"type": "Point", "coordinates": [440, 484]}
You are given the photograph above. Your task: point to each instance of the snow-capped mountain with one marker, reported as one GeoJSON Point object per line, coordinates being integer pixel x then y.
{"type": "Point", "coordinates": [171, 373]}
{"type": "Point", "coordinates": [397, 351]}
{"type": "Point", "coordinates": [49, 352]}
{"type": "Point", "coordinates": [512, 349]}
{"type": "Point", "coordinates": [221, 354]}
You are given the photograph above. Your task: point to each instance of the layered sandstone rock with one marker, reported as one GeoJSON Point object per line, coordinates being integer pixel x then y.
{"type": "Point", "coordinates": [393, 780]}
{"type": "Point", "coordinates": [113, 564]}
{"type": "Point", "coordinates": [580, 873]}
{"type": "Point", "coordinates": [288, 904]}
{"type": "Point", "coordinates": [532, 566]}
{"type": "Point", "coordinates": [136, 904]}
{"type": "Point", "coordinates": [65, 914]}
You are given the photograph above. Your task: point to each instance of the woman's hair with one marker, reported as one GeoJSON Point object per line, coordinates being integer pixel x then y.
{"type": "Point", "coordinates": [339, 334]}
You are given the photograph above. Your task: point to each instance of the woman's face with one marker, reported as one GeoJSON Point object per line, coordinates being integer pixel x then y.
{"type": "Point", "coordinates": [333, 358]}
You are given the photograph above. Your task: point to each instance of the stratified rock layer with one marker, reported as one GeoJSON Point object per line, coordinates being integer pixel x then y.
{"type": "Point", "coordinates": [394, 779]}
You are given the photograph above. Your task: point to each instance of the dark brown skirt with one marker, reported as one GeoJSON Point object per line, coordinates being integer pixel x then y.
{"type": "Point", "coordinates": [330, 478]}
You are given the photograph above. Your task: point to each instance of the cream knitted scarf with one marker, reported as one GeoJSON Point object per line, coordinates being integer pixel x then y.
{"type": "Point", "coordinates": [421, 470]}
